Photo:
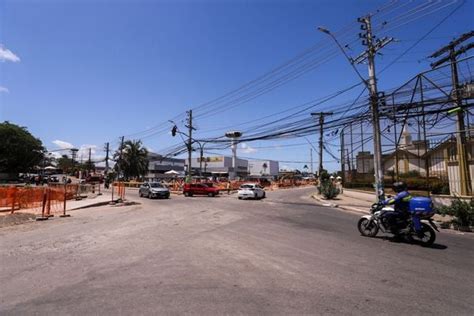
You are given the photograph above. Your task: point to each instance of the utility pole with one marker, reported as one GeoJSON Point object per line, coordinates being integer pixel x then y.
{"type": "Point", "coordinates": [461, 142]}
{"type": "Point", "coordinates": [321, 131]}
{"type": "Point", "coordinates": [106, 158]}
{"type": "Point", "coordinates": [371, 84]}
{"type": "Point", "coordinates": [201, 155]}
{"type": "Point", "coordinates": [190, 143]}
{"type": "Point", "coordinates": [311, 158]}
{"type": "Point", "coordinates": [372, 47]}
{"type": "Point", "coordinates": [352, 146]}
{"type": "Point", "coordinates": [343, 169]}
{"type": "Point", "coordinates": [200, 160]}
{"type": "Point", "coordinates": [89, 162]}
{"type": "Point", "coordinates": [73, 156]}
{"type": "Point", "coordinates": [119, 167]}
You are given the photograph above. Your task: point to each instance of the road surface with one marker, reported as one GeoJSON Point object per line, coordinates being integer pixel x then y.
{"type": "Point", "coordinates": [213, 256]}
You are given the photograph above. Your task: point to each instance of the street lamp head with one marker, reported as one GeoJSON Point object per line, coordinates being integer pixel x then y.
{"type": "Point", "coordinates": [324, 30]}
{"type": "Point", "coordinates": [233, 134]}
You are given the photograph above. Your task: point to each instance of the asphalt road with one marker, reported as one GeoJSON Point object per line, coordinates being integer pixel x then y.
{"type": "Point", "coordinates": [207, 256]}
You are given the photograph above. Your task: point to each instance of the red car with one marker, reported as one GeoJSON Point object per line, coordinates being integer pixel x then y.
{"type": "Point", "coordinates": [191, 189]}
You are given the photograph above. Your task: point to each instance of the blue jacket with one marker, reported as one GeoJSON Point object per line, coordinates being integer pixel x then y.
{"type": "Point", "coordinates": [401, 202]}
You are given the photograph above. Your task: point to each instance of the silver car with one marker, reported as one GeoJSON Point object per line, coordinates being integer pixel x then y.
{"type": "Point", "coordinates": [154, 190]}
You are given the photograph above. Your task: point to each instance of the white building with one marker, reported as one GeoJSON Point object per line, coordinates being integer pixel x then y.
{"type": "Point", "coordinates": [219, 166]}
{"type": "Point", "coordinates": [158, 165]}
{"type": "Point", "coordinates": [263, 167]}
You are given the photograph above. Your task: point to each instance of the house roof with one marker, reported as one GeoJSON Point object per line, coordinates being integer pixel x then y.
{"type": "Point", "coordinates": [401, 151]}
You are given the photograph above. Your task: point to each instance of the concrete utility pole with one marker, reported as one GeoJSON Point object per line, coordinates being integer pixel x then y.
{"type": "Point", "coordinates": [190, 143]}
{"type": "Point", "coordinates": [372, 48]}
{"type": "Point", "coordinates": [343, 168]}
{"type": "Point", "coordinates": [321, 131]}
{"type": "Point", "coordinates": [106, 158]}
{"type": "Point", "coordinates": [311, 158]}
{"type": "Point", "coordinates": [119, 167]}
{"type": "Point", "coordinates": [461, 142]}
{"type": "Point", "coordinates": [201, 155]}
{"type": "Point", "coordinates": [73, 157]}
{"type": "Point", "coordinates": [371, 84]}
{"type": "Point", "coordinates": [89, 162]}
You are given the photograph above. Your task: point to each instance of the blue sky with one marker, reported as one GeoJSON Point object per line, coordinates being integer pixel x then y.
{"type": "Point", "coordinates": [88, 72]}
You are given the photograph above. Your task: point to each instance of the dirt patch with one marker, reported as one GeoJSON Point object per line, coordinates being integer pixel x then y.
{"type": "Point", "coordinates": [16, 219]}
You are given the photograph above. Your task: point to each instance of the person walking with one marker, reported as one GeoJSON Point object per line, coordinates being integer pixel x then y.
{"type": "Point", "coordinates": [228, 187]}
{"type": "Point", "coordinates": [339, 184]}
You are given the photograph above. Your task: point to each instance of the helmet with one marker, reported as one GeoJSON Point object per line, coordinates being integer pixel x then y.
{"type": "Point", "coordinates": [399, 186]}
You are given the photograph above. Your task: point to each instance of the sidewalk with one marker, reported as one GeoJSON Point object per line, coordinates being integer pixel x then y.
{"type": "Point", "coordinates": [350, 200]}
{"type": "Point", "coordinates": [97, 200]}
{"type": "Point", "coordinates": [25, 215]}
{"type": "Point", "coordinates": [361, 201]}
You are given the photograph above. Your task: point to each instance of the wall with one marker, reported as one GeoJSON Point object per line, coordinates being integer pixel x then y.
{"type": "Point", "coordinates": [256, 167]}
{"type": "Point", "coordinates": [446, 200]}
{"type": "Point", "coordinates": [220, 164]}
{"type": "Point", "coordinates": [454, 178]}
{"type": "Point", "coordinates": [438, 165]}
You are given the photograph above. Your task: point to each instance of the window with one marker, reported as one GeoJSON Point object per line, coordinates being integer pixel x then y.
{"type": "Point", "coordinates": [246, 186]}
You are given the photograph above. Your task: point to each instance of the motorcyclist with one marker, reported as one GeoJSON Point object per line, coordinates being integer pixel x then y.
{"type": "Point", "coordinates": [401, 203]}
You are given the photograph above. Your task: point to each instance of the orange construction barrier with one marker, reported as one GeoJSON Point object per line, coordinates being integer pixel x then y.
{"type": "Point", "coordinates": [48, 199]}
{"type": "Point", "coordinates": [118, 191]}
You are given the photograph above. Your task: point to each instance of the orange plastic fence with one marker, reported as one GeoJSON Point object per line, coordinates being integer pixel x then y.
{"type": "Point", "coordinates": [35, 199]}
{"type": "Point", "coordinates": [118, 191]}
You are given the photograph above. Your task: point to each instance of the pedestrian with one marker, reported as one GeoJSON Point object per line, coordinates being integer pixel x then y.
{"type": "Point", "coordinates": [228, 187]}
{"type": "Point", "coordinates": [339, 184]}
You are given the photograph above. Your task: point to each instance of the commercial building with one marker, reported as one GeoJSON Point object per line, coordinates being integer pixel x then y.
{"type": "Point", "coordinates": [158, 166]}
{"type": "Point", "coordinates": [219, 166]}
{"type": "Point", "coordinates": [263, 168]}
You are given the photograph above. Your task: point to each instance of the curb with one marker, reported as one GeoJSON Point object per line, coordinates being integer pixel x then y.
{"type": "Point", "coordinates": [343, 207]}
{"type": "Point", "coordinates": [90, 205]}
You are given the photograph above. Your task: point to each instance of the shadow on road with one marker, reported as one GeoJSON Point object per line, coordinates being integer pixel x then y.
{"type": "Point", "coordinates": [398, 240]}
{"type": "Point", "coordinates": [294, 203]}
{"type": "Point", "coordinates": [438, 246]}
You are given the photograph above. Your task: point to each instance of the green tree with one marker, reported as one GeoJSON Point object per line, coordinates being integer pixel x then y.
{"type": "Point", "coordinates": [64, 163]}
{"type": "Point", "coordinates": [134, 160]}
{"type": "Point", "coordinates": [19, 150]}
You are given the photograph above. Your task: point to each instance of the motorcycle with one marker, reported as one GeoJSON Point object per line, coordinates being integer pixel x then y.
{"type": "Point", "coordinates": [369, 225]}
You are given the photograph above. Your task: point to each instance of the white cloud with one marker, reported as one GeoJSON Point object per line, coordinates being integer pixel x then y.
{"type": "Point", "coordinates": [246, 149]}
{"type": "Point", "coordinates": [8, 55]}
{"type": "Point", "coordinates": [4, 90]}
{"type": "Point", "coordinates": [62, 144]}
{"type": "Point", "coordinates": [84, 152]}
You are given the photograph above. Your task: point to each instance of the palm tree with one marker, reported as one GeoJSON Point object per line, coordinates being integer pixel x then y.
{"type": "Point", "coordinates": [133, 162]}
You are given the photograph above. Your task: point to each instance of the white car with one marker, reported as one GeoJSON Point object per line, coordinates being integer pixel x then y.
{"type": "Point", "coordinates": [250, 191]}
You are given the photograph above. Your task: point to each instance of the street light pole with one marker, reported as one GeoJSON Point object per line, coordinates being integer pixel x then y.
{"type": "Point", "coordinates": [326, 31]}
{"type": "Point", "coordinates": [372, 47]}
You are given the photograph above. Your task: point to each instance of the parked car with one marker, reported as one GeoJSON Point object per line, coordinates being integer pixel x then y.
{"type": "Point", "coordinates": [190, 189]}
{"type": "Point", "coordinates": [154, 190]}
{"type": "Point", "coordinates": [95, 179]}
{"type": "Point", "coordinates": [250, 191]}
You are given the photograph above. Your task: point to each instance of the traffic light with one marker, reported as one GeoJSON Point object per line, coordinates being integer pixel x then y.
{"type": "Point", "coordinates": [174, 130]}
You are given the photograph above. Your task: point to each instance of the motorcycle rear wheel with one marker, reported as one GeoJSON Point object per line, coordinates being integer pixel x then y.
{"type": "Point", "coordinates": [367, 228]}
{"type": "Point", "coordinates": [429, 236]}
